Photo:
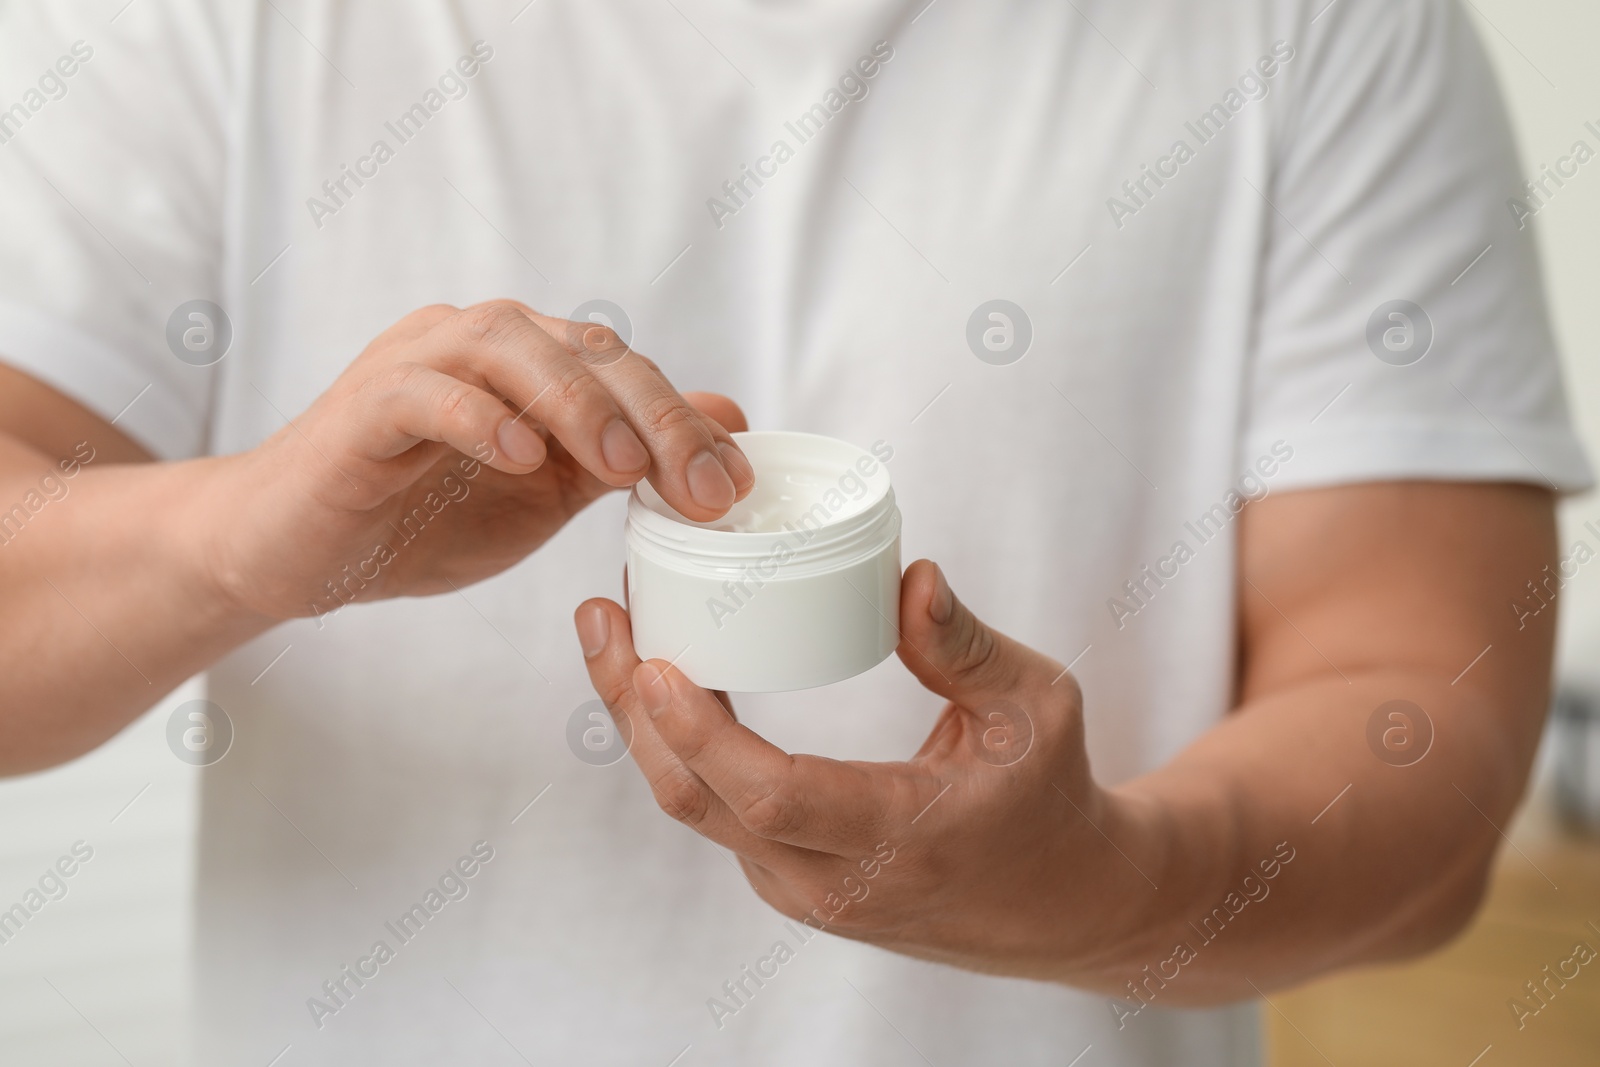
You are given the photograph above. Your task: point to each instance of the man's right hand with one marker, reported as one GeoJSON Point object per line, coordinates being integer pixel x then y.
{"type": "Point", "coordinates": [135, 575]}
{"type": "Point", "coordinates": [453, 446]}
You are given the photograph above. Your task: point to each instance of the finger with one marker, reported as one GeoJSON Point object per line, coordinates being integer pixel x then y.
{"type": "Point", "coordinates": [715, 471]}
{"type": "Point", "coordinates": [414, 324]}
{"type": "Point", "coordinates": [602, 349]}
{"type": "Point", "coordinates": [608, 652]}
{"type": "Point", "coordinates": [726, 702]}
{"type": "Point", "coordinates": [496, 345]}
{"type": "Point", "coordinates": [599, 345]}
{"type": "Point", "coordinates": [410, 403]}
{"type": "Point", "coordinates": [956, 655]}
{"type": "Point", "coordinates": [621, 419]}
{"type": "Point", "coordinates": [814, 803]}
{"type": "Point", "coordinates": [646, 394]}
{"type": "Point", "coordinates": [947, 734]}
{"type": "Point", "coordinates": [720, 409]}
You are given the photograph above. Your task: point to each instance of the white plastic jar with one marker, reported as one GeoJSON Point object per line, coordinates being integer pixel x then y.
{"type": "Point", "coordinates": [797, 586]}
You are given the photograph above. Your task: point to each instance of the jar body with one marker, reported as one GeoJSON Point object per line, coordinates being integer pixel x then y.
{"type": "Point", "coordinates": [799, 588]}
{"type": "Point", "coordinates": [755, 635]}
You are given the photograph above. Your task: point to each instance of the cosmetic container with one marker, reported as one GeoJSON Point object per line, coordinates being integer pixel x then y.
{"type": "Point", "coordinates": [797, 586]}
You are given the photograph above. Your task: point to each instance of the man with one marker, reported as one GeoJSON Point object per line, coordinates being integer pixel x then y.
{"type": "Point", "coordinates": [1215, 373]}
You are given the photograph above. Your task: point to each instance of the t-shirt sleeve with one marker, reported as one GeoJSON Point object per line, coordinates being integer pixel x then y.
{"type": "Point", "coordinates": [1401, 324]}
{"type": "Point", "coordinates": [112, 167]}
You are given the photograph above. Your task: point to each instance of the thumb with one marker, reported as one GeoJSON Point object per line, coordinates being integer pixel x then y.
{"type": "Point", "coordinates": [956, 655]}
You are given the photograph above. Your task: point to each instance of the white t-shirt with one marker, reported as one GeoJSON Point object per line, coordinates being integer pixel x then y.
{"type": "Point", "coordinates": [1204, 212]}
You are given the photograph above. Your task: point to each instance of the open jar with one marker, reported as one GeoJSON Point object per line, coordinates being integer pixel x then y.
{"type": "Point", "coordinates": [798, 585]}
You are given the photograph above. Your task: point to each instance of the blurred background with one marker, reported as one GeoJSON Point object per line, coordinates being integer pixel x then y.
{"type": "Point", "coordinates": [117, 943]}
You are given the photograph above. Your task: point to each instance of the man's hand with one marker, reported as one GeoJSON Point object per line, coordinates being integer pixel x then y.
{"type": "Point", "coordinates": [1285, 841]}
{"type": "Point", "coordinates": [970, 853]}
{"type": "Point", "coordinates": [457, 443]}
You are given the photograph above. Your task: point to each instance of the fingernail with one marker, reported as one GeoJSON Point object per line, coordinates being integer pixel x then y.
{"type": "Point", "coordinates": [622, 449]}
{"type": "Point", "coordinates": [943, 601]}
{"type": "Point", "coordinates": [654, 692]}
{"type": "Point", "coordinates": [709, 483]}
{"type": "Point", "coordinates": [592, 630]}
{"type": "Point", "coordinates": [737, 466]}
{"type": "Point", "coordinates": [519, 443]}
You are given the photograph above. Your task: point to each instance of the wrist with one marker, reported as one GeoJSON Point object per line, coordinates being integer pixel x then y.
{"type": "Point", "coordinates": [1134, 891]}
{"type": "Point", "coordinates": [212, 569]}
{"type": "Point", "coordinates": [1158, 859]}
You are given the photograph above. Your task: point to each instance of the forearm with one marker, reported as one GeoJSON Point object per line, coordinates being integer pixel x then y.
{"type": "Point", "coordinates": [107, 601]}
{"type": "Point", "coordinates": [1283, 846]}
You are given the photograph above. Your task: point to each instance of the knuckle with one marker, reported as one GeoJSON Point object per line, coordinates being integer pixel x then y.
{"type": "Point", "coordinates": [566, 332]}
{"type": "Point", "coordinates": [665, 414]}
{"type": "Point", "coordinates": [456, 402]}
{"type": "Point", "coordinates": [614, 688]}
{"type": "Point", "coordinates": [773, 895]}
{"type": "Point", "coordinates": [1071, 693]}
{"type": "Point", "coordinates": [413, 324]}
{"type": "Point", "coordinates": [431, 313]}
{"type": "Point", "coordinates": [393, 381]}
{"type": "Point", "coordinates": [786, 900]}
{"type": "Point", "coordinates": [492, 322]}
{"type": "Point", "coordinates": [512, 302]}
{"type": "Point", "coordinates": [683, 797]}
{"type": "Point", "coordinates": [692, 745]}
{"type": "Point", "coordinates": [975, 650]}
{"type": "Point", "coordinates": [573, 387]}
{"type": "Point", "coordinates": [775, 810]}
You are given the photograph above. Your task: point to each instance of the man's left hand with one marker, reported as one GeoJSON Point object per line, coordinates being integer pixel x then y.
{"type": "Point", "coordinates": [977, 851]}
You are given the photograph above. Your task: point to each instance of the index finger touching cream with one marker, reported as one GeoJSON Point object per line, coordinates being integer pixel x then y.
{"type": "Point", "coordinates": [798, 585]}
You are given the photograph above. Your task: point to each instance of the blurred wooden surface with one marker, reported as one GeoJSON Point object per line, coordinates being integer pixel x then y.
{"type": "Point", "coordinates": [1452, 1009]}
